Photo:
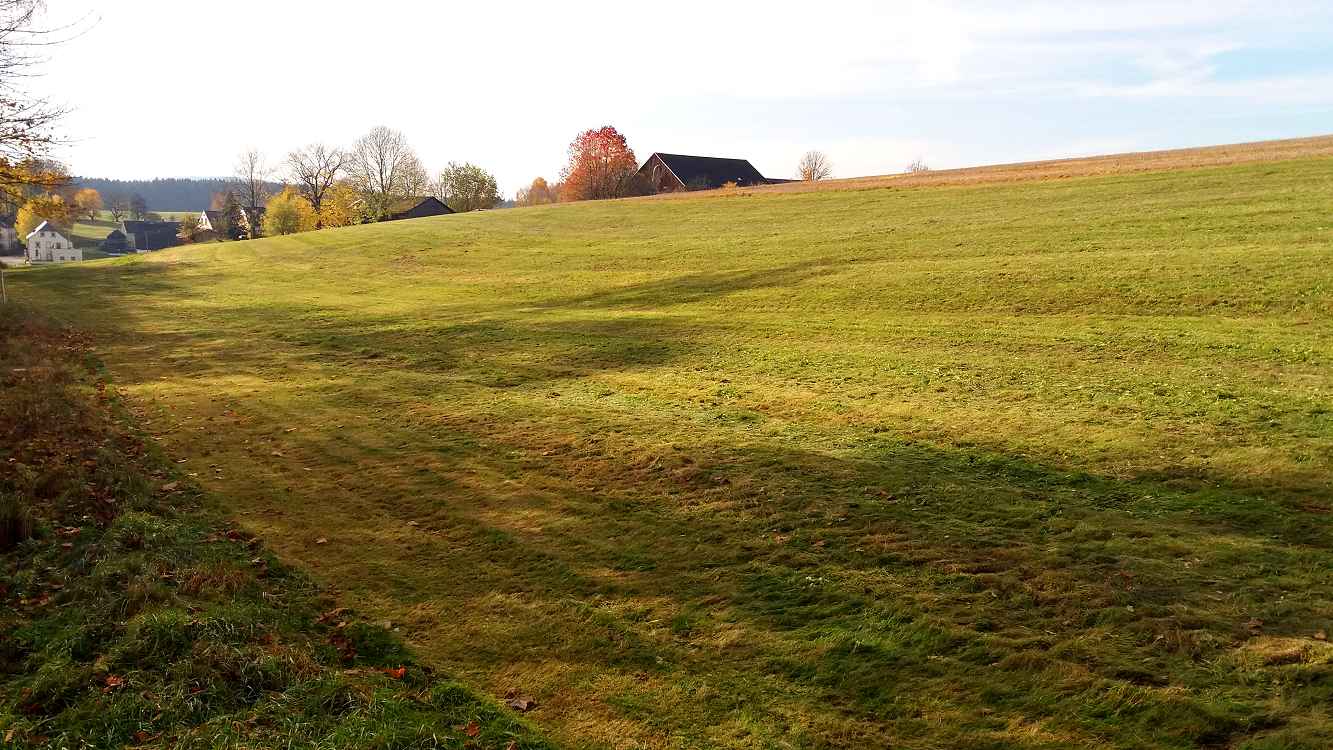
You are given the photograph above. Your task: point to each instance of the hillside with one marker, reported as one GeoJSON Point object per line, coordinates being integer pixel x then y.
{"type": "Point", "coordinates": [1088, 166]}
{"type": "Point", "coordinates": [1039, 464]}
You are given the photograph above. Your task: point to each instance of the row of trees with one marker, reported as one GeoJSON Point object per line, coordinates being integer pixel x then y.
{"type": "Point", "coordinates": [326, 186]}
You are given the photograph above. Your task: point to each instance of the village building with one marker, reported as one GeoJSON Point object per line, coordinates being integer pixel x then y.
{"type": "Point", "coordinates": [115, 243]}
{"type": "Point", "coordinates": [248, 225]}
{"type": "Point", "coordinates": [669, 173]}
{"type": "Point", "coordinates": [47, 244]}
{"type": "Point", "coordinates": [417, 208]}
{"type": "Point", "coordinates": [252, 222]}
{"type": "Point", "coordinates": [146, 236]}
{"type": "Point", "coordinates": [211, 221]}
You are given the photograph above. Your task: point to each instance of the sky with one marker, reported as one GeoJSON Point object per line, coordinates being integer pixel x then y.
{"type": "Point", "coordinates": [176, 88]}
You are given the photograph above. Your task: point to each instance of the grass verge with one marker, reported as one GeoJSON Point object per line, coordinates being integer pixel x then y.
{"type": "Point", "coordinates": [130, 614]}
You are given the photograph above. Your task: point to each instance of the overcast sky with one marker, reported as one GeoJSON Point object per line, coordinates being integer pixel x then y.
{"type": "Point", "coordinates": [179, 87]}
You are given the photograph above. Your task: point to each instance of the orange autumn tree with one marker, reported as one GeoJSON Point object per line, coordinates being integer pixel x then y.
{"type": "Point", "coordinates": [601, 165]}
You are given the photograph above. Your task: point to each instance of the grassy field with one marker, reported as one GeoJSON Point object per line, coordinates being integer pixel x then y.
{"type": "Point", "coordinates": [132, 615]}
{"type": "Point", "coordinates": [1036, 465]}
{"type": "Point", "coordinates": [89, 234]}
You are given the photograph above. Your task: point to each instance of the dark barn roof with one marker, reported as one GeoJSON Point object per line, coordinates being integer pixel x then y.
{"type": "Point", "coordinates": [152, 235]}
{"type": "Point", "coordinates": [416, 208]}
{"type": "Point", "coordinates": [698, 172]}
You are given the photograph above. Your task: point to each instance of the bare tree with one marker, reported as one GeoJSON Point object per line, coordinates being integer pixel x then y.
{"type": "Point", "coordinates": [314, 170]}
{"type": "Point", "coordinates": [384, 168]}
{"type": "Point", "coordinates": [119, 206]}
{"type": "Point", "coordinates": [252, 179]}
{"type": "Point", "coordinates": [815, 166]}
{"type": "Point", "coordinates": [416, 183]}
{"type": "Point", "coordinates": [917, 166]}
{"type": "Point", "coordinates": [26, 121]}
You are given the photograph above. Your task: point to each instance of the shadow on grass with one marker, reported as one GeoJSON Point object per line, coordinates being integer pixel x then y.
{"type": "Point", "coordinates": [906, 585]}
{"type": "Point", "coordinates": [697, 287]}
{"type": "Point", "coordinates": [920, 579]}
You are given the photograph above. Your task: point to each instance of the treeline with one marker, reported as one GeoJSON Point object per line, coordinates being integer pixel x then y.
{"type": "Point", "coordinates": [162, 194]}
{"type": "Point", "coordinates": [322, 186]}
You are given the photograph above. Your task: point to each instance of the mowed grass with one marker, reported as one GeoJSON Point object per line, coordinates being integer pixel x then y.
{"type": "Point", "coordinates": [1019, 466]}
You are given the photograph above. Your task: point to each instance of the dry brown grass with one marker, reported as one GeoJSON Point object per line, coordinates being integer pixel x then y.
{"type": "Point", "coordinates": [1059, 169]}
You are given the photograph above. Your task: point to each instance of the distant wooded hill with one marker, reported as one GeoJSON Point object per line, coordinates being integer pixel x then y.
{"type": "Point", "coordinates": [162, 194]}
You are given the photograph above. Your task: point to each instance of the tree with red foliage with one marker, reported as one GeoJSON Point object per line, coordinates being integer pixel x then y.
{"type": "Point", "coordinates": [601, 165]}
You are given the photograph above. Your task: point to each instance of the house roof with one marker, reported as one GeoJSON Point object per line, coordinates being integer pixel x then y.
{"type": "Point", "coordinates": [710, 171]}
{"type": "Point", "coordinates": [137, 227]}
{"type": "Point", "coordinates": [403, 205]}
{"type": "Point", "coordinates": [43, 227]}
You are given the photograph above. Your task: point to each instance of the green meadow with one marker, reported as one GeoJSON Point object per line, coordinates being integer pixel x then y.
{"type": "Point", "coordinates": [1039, 465]}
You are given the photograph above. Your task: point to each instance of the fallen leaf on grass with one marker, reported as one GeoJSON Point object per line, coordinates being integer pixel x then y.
{"type": "Point", "coordinates": [170, 486]}
{"type": "Point", "coordinates": [1320, 635]}
{"type": "Point", "coordinates": [321, 540]}
{"type": "Point", "coordinates": [397, 674]}
{"type": "Point", "coordinates": [113, 682]}
{"type": "Point", "coordinates": [471, 730]}
{"type": "Point", "coordinates": [332, 615]}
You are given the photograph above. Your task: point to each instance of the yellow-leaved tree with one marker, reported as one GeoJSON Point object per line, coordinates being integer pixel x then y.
{"type": "Point", "coordinates": [88, 202]}
{"type": "Point", "coordinates": [288, 212]}
{"type": "Point", "coordinates": [342, 206]}
{"type": "Point", "coordinates": [50, 208]}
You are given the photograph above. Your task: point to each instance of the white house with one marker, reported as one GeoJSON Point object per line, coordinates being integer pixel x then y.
{"type": "Point", "coordinates": [47, 245]}
{"type": "Point", "coordinates": [210, 221]}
